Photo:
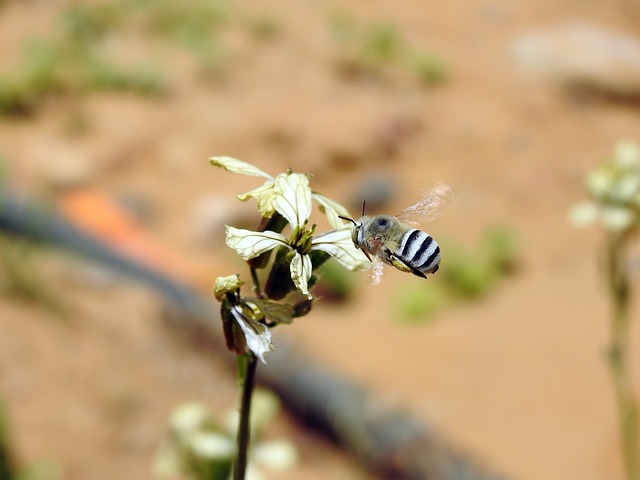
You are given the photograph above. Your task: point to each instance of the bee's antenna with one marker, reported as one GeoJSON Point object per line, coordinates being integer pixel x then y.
{"type": "Point", "coordinates": [348, 219]}
{"type": "Point", "coordinates": [363, 203]}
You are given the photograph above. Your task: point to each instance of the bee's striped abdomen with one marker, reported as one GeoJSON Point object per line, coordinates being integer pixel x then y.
{"type": "Point", "coordinates": [420, 251]}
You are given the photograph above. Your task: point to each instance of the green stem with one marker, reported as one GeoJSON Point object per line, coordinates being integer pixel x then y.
{"type": "Point", "coordinates": [256, 283]}
{"type": "Point", "coordinates": [247, 366]}
{"type": "Point", "coordinates": [618, 354]}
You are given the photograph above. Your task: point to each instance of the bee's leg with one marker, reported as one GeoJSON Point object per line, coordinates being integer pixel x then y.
{"type": "Point", "coordinates": [386, 256]}
{"type": "Point", "coordinates": [366, 254]}
{"type": "Point", "coordinates": [405, 267]}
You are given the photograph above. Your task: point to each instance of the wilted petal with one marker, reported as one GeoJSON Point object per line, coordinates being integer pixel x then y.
{"type": "Point", "coordinates": [257, 335]}
{"type": "Point", "coordinates": [338, 244]}
{"type": "Point", "coordinates": [234, 165]}
{"type": "Point", "coordinates": [301, 269]}
{"type": "Point", "coordinates": [250, 244]}
{"type": "Point", "coordinates": [274, 311]}
{"type": "Point", "coordinates": [264, 195]}
{"type": "Point", "coordinates": [293, 199]}
{"type": "Point", "coordinates": [257, 192]}
{"type": "Point", "coordinates": [332, 210]}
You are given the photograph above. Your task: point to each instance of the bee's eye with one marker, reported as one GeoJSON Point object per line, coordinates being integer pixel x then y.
{"type": "Point", "coordinates": [355, 234]}
{"type": "Point", "coordinates": [382, 223]}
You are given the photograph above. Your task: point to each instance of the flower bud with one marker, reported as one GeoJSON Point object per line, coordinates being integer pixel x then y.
{"type": "Point", "coordinates": [224, 285]}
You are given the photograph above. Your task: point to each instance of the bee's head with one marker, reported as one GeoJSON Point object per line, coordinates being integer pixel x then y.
{"type": "Point", "coordinates": [356, 233]}
{"type": "Point", "coordinates": [381, 223]}
{"type": "Point", "coordinates": [357, 228]}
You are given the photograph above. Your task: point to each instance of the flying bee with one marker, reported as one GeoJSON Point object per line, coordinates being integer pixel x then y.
{"type": "Point", "coordinates": [395, 240]}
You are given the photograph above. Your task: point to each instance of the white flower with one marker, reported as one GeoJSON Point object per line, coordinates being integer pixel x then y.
{"type": "Point", "coordinates": [614, 187]}
{"type": "Point", "coordinates": [276, 455]}
{"type": "Point", "coordinates": [256, 334]}
{"type": "Point", "coordinates": [206, 445]}
{"type": "Point", "coordinates": [289, 194]}
{"type": "Point", "coordinates": [188, 418]}
{"type": "Point", "coordinates": [234, 165]}
{"type": "Point", "coordinates": [337, 243]}
{"type": "Point", "coordinates": [211, 445]}
{"type": "Point", "coordinates": [267, 196]}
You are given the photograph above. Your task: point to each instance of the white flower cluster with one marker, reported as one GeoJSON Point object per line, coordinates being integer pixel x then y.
{"type": "Point", "coordinates": [289, 194]}
{"type": "Point", "coordinates": [614, 187]}
{"type": "Point", "coordinates": [286, 197]}
{"type": "Point", "coordinates": [199, 447]}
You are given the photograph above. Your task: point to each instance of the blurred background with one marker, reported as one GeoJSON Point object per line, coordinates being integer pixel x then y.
{"type": "Point", "coordinates": [109, 111]}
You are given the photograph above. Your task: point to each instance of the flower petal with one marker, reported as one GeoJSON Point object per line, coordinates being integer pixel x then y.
{"type": "Point", "coordinates": [617, 218]}
{"type": "Point", "coordinates": [584, 214]}
{"type": "Point", "coordinates": [627, 154]}
{"type": "Point", "coordinates": [234, 165]}
{"type": "Point", "coordinates": [257, 335]}
{"type": "Point", "coordinates": [187, 419]}
{"type": "Point", "coordinates": [277, 455]}
{"type": "Point", "coordinates": [339, 245]}
{"type": "Point", "coordinates": [264, 195]}
{"type": "Point", "coordinates": [293, 199]}
{"type": "Point", "coordinates": [301, 269]}
{"type": "Point", "coordinates": [209, 445]}
{"type": "Point", "coordinates": [332, 210]}
{"type": "Point", "coordinates": [274, 311]}
{"type": "Point", "coordinates": [250, 244]}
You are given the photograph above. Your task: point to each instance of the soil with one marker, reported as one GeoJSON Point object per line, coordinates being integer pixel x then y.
{"type": "Point", "coordinates": [517, 379]}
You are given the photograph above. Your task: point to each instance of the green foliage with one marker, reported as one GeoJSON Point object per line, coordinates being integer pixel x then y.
{"type": "Point", "coordinates": [415, 302]}
{"type": "Point", "coordinates": [472, 273]}
{"type": "Point", "coordinates": [263, 27]}
{"type": "Point", "coordinates": [334, 284]}
{"type": "Point", "coordinates": [86, 24]}
{"type": "Point", "coordinates": [4, 167]}
{"type": "Point", "coordinates": [379, 47]}
{"type": "Point", "coordinates": [7, 464]}
{"type": "Point", "coordinates": [10, 469]}
{"type": "Point", "coordinates": [381, 42]}
{"type": "Point", "coordinates": [41, 73]}
{"type": "Point", "coordinates": [20, 277]}
{"type": "Point", "coordinates": [73, 58]}
{"type": "Point", "coordinates": [186, 21]}
{"type": "Point", "coordinates": [104, 76]}
{"type": "Point", "coordinates": [466, 274]}
{"type": "Point", "coordinates": [429, 68]}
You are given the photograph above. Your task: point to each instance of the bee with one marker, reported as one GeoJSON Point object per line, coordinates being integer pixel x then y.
{"type": "Point", "coordinates": [395, 240]}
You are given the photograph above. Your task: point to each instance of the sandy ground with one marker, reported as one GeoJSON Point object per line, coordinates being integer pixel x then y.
{"type": "Point", "coordinates": [517, 379]}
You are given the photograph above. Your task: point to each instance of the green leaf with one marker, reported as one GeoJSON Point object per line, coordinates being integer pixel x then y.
{"type": "Point", "coordinates": [275, 312]}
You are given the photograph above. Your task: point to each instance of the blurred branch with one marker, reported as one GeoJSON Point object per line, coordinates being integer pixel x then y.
{"type": "Point", "coordinates": [387, 439]}
{"type": "Point", "coordinates": [21, 217]}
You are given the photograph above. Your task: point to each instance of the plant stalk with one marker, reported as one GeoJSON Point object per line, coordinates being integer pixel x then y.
{"type": "Point", "coordinates": [247, 366]}
{"type": "Point", "coordinates": [618, 354]}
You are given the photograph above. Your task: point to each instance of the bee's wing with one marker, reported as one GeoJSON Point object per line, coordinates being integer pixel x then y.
{"type": "Point", "coordinates": [377, 270]}
{"type": "Point", "coordinates": [428, 207]}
